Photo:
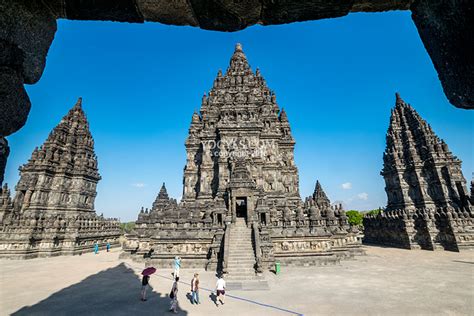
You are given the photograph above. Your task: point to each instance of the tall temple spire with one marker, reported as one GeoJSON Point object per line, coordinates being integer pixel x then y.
{"type": "Point", "coordinates": [414, 156]}
{"type": "Point", "coordinates": [239, 106]}
{"type": "Point", "coordinates": [240, 169]}
{"type": "Point", "coordinates": [69, 147]}
{"type": "Point", "coordinates": [55, 196]}
{"type": "Point", "coordinates": [67, 154]}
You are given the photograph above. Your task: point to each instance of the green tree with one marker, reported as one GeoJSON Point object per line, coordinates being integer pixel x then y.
{"type": "Point", "coordinates": [373, 212]}
{"type": "Point", "coordinates": [354, 217]}
{"type": "Point", "coordinates": [127, 227]}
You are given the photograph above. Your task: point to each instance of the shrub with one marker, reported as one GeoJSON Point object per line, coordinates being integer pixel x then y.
{"type": "Point", "coordinates": [127, 227]}
{"type": "Point", "coordinates": [354, 218]}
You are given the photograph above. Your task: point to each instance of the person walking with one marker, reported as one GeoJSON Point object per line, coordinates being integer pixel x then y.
{"type": "Point", "coordinates": [174, 296]}
{"type": "Point", "coordinates": [145, 280]}
{"type": "Point", "coordinates": [108, 246]}
{"type": "Point", "coordinates": [195, 289]}
{"type": "Point", "coordinates": [220, 290]}
{"type": "Point", "coordinates": [96, 247]}
{"type": "Point", "coordinates": [177, 265]}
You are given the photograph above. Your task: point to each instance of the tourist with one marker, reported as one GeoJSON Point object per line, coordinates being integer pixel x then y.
{"type": "Point", "coordinates": [220, 290]}
{"type": "Point", "coordinates": [174, 296]}
{"type": "Point", "coordinates": [96, 247]}
{"type": "Point", "coordinates": [145, 280]}
{"type": "Point", "coordinates": [177, 265]}
{"type": "Point", "coordinates": [195, 289]}
{"type": "Point", "coordinates": [108, 246]}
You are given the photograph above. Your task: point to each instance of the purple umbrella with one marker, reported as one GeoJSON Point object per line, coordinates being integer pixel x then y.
{"type": "Point", "coordinates": [148, 271]}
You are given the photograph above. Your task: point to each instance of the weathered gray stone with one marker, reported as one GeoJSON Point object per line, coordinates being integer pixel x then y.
{"type": "Point", "coordinates": [177, 12]}
{"type": "Point", "coordinates": [241, 208]}
{"type": "Point", "coordinates": [30, 26]}
{"type": "Point", "coordinates": [4, 152]}
{"type": "Point", "coordinates": [428, 203]}
{"type": "Point", "coordinates": [444, 29]}
{"type": "Point", "coordinates": [52, 212]}
{"type": "Point", "coordinates": [14, 102]}
{"type": "Point", "coordinates": [26, 31]}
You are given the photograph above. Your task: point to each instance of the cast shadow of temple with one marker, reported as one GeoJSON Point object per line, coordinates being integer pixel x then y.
{"type": "Point", "coordinates": [115, 291]}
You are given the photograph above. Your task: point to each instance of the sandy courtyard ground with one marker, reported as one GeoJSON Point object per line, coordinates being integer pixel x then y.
{"type": "Point", "coordinates": [384, 282]}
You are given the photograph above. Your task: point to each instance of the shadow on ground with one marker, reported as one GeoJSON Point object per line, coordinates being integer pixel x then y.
{"type": "Point", "coordinates": [115, 291]}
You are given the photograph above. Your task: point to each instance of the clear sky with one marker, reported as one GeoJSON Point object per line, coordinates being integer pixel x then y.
{"type": "Point", "coordinates": [336, 79]}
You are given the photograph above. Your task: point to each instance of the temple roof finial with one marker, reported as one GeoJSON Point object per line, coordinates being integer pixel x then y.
{"type": "Point", "coordinates": [78, 104]}
{"type": "Point", "coordinates": [238, 47]}
{"type": "Point", "coordinates": [320, 197]}
{"type": "Point", "coordinates": [398, 99]}
{"type": "Point", "coordinates": [283, 116]}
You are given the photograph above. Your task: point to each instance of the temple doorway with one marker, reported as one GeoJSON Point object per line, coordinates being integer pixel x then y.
{"type": "Point", "coordinates": [241, 207]}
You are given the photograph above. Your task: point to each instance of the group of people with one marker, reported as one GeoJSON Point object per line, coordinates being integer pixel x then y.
{"type": "Point", "coordinates": [96, 247]}
{"type": "Point", "coordinates": [173, 295]}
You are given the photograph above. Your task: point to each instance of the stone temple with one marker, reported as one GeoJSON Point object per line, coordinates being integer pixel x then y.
{"type": "Point", "coordinates": [52, 212]}
{"type": "Point", "coordinates": [241, 208]}
{"type": "Point", "coordinates": [428, 203]}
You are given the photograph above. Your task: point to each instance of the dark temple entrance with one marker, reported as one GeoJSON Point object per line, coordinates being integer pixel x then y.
{"type": "Point", "coordinates": [241, 207]}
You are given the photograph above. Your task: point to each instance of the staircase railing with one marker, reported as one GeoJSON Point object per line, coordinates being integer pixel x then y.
{"type": "Point", "coordinates": [258, 249]}
{"type": "Point", "coordinates": [225, 257]}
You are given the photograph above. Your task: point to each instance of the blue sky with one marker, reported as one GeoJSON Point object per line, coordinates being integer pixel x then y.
{"type": "Point", "coordinates": [336, 79]}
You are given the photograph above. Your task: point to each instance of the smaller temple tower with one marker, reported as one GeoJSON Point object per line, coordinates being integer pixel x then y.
{"type": "Point", "coordinates": [62, 174]}
{"type": "Point", "coordinates": [52, 212]}
{"type": "Point", "coordinates": [419, 169]}
{"type": "Point", "coordinates": [425, 189]}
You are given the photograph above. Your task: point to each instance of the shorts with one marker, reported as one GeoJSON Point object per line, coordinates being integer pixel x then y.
{"type": "Point", "coordinates": [220, 292]}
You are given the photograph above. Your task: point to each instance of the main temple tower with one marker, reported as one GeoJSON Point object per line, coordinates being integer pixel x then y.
{"type": "Point", "coordinates": [241, 208]}
{"type": "Point", "coordinates": [240, 124]}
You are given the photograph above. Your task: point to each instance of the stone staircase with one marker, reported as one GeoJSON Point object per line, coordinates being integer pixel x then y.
{"type": "Point", "coordinates": [241, 263]}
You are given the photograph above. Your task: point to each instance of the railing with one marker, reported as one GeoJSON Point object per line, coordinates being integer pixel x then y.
{"type": "Point", "coordinates": [225, 257]}
{"type": "Point", "coordinates": [258, 249]}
